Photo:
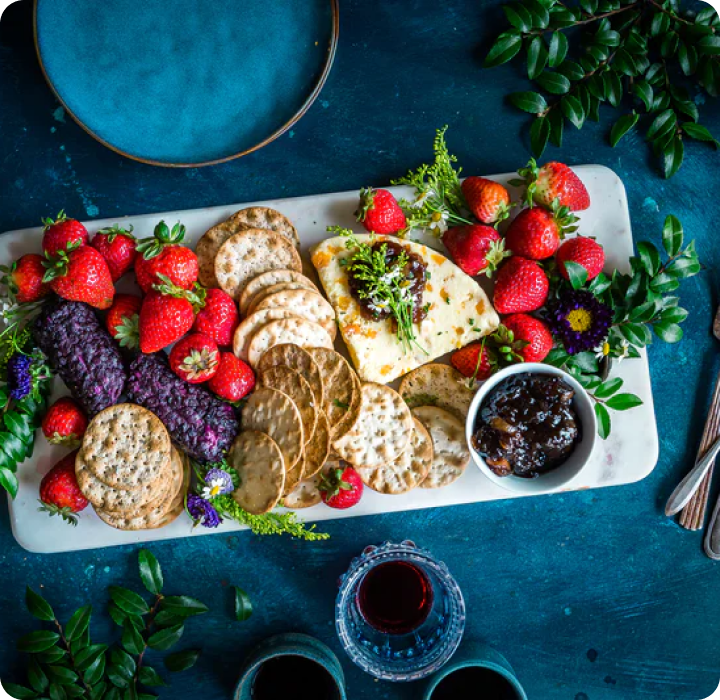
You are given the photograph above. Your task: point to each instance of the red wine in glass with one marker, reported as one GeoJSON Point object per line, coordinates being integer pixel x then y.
{"type": "Point", "coordinates": [395, 597]}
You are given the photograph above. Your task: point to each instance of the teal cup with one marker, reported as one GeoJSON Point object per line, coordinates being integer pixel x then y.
{"type": "Point", "coordinates": [476, 671]}
{"type": "Point", "coordinates": [289, 654]}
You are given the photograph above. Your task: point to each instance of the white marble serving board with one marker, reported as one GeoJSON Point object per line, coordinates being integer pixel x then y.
{"type": "Point", "coordinates": [629, 455]}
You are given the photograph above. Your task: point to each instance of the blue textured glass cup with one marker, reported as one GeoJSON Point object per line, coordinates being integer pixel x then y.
{"type": "Point", "coordinates": [394, 653]}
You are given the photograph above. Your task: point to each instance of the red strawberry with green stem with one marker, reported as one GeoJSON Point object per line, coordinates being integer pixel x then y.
{"type": "Point", "coordinates": [488, 200]}
{"type": "Point", "coordinates": [525, 337]}
{"type": "Point", "coordinates": [521, 285]}
{"type": "Point", "coordinates": [62, 234]}
{"type": "Point", "coordinates": [195, 358]}
{"type": "Point", "coordinates": [234, 379]}
{"type": "Point", "coordinates": [163, 254]}
{"type": "Point", "coordinates": [536, 233]}
{"type": "Point", "coordinates": [65, 423]}
{"type": "Point", "coordinates": [117, 246]}
{"type": "Point", "coordinates": [475, 361]}
{"type": "Point", "coordinates": [341, 488]}
{"type": "Point", "coordinates": [554, 181]}
{"type": "Point", "coordinates": [24, 279]}
{"type": "Point", "coordinates": [379, 212]}
{"type": "Point", "coordinates": [60, 493]}
{"type": "Point", "coordinates": [167, 314]}
{"type": "Point", "coordinates": [81, 274]}
{"type": "Point", "coordinates": [219, 318]}
{"type": "Point", "coordinates": [583, 251]}
{"type": "Point", "coordinates": [475, 249]}
{"type": "Point", "coordinates": [122, 320]}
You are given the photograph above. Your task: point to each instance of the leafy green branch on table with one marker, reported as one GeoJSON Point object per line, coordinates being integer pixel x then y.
{"type": "Point", "coordinates": [65, 663]}
{"type": "Point", "coordinates": [643, 303]}
{"type": "Point", "coordinates": [648, 51]}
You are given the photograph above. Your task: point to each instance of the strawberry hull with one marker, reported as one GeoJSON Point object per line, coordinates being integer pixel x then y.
{"type": "Point", "coordinates": [82, 352]}
{"type": "Point", "coordinates": [201, 424]}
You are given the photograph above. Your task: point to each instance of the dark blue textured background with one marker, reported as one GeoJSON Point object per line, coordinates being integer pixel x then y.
{"type": "Point", "coordinates": [592, 596]}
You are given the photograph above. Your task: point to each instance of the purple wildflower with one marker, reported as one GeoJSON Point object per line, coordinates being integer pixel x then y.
{"type": "Point", "coordinates": [202, 512]}
{"type": "Point", "coordinates": [217, 483]}
{"type": "Point", "coordinates": [580, 320]}
{"type": "Point", "coordinates": [19, 376]}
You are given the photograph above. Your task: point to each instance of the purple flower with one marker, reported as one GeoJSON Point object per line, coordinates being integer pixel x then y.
{"type": "Point", "coordinates": [580, 320]}
{"type": "Point", "coordinates": [202, 512]}
{"type": "Point", "coordinates": [217, 483]}
{"type": "Point", "coordinates": [19, 377]}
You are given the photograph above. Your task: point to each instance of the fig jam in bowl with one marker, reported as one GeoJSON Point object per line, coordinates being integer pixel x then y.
{"type": "Point", "coordinates": [531, 428]}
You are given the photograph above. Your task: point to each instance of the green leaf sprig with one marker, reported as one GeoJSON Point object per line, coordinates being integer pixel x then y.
{"type": "Point", "coordinates": [645, 55]}
{"type": "Point", "coordinates": [65, 663]}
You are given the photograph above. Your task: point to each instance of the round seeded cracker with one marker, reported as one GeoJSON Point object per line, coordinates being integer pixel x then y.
{"type": "Point", "coordinates": [126, 446]}
{"type": "Point", "coordinates": [382, 430]}
{"type": "Point", "coordinates": [291, 383]}
{"type": "Point", "coordinates": [259, 463]}
{"type": "Point", "coordinates": [318, 449]}
{"type": "Point", "coordinates": [298, 331]}
{"type": "Point", "coordinates": [207, 249]}
{"type": "Point", "coordinates": [269, 279]}
{"type": "Point", "coordinates": [247, 328]}
{"type": "Point", "coordinates": [438, 385]}
{"type": "Point", "coordinates": [451, 454]}
{"type": "Point", "coordinates": [249, 253]}
{"type": "Point", "coordinates": [279, 287]}
{"type": "Point", "coordinates": [294, 476]}
{"type": "Point", "coordinates": [307, 493]}
{"type": "Point", "coordinates": [267, 218]}
{"type": "Point", "coordinates": [407, 471]}
{"type": "Point", "coordinates": [305, 303]}
{"type": "Point", "coordinates": [299, 359]}
{"type": "Point", "coordinates": [274, 413]}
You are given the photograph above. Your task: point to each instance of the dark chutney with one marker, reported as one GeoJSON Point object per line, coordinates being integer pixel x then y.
{"type": "Point", "coordinates": [527, 425]}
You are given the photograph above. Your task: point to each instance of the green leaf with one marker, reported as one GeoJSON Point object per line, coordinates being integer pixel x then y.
{"type": "Point", "coordinates": [51, 655]}
{"type": "Point", "coordinates": [589, 6]}
{"type": "Point", "coordinates": [554, 83]}
{"type": "Point", "coordinates": [577, 274]}
{"type": "Point", "coordinates": [562, 17]}
{"type": "Point", "coordinates": [78, 623]}
{"type": "Point", "coordinates": [57, 692]}
{"type": "Point", "coordinates": [118, 676]}
{"type": "Point", "coordinates": [243, 605]}
{"type": "Point", "coordinates": [608, 388]}
{"type": "Point", "coordinates": [166, 638]}
{"type": "Point", "coordinates": [572, 109]}
{"type": "Point", "coordinates": [664, 283]}
{"type": "Point", "coordinates": [557, 49]}
{"type": "Point", "coordinates": [634, 333]}
{"type": "Point", "coordinates": [660, 24]}
{"type": "Point", "coordinates": [674, 315]}
{"type": "Point", "coordinates": [96, 670]}
{"type": "Point", "coordinates": [699, 133]}
{"type": "Point", "coordinates": [38, 606]}
{"type": "Point", "coordinates": [8, 481]}
{"type": "Point", "coordinates": [613, 88]}
{"type": "Point", "coordinates": [709, 45]}
{"type": "Point", "coordinates": [608, 37]}
{"type": "Point", "coordinates": [644, 313]}
{"type": "Point", "coordinates": [128, 601]}
{"type": "Point", "coordinates": [35, 642]}
{"type": "Point", "coordinates": [649, 257]}
{"type": "Point", "coordinates": [503, 50]}
{"type": "Point", "coordinates": [537, 57]}
{"type": "Point", "coordinates": [61, 675]}
{"type": "Point", "coordinates": [662, 124]}
{"type": "Point", "coordinates": [150, 572]}
{"type": "Point", "coordinates": [673, 157]}
{"type": "Point", "coordinates": [85, 657]}
{"type": "Point", "coordinates": [531, 102]}
{"type": "Point", "coordinates": [38, 680]}
{"type": "Point", "coordinates": [571, 70]}
{"type": "Point", "coordinates": [183, 606]}
{"type": "Point", "coordinates": [689, 109]}
{"type": "Point", "coordinates": [683, 267]}
{"type": "Point", "coordinates": [540, 14]}
{"type": "Point", "coordinates": [518, 16]}
{"type": "Point", "coordinates": [20, 692]}
{"type": "Point", "coordinates": [669, 44]}
{"type": "Point", "coordinates": [166, 619]}
{"type": "Point", "coordinates": [687, 58]}
{"type": "Point", "coordinates": [113, 694]}
{"type": "Point", "coordinates": [585, 361]}
{"type": "Point", "coordinates": [132, 640]}
{"type": "Point", "coordinates": [150, 677]}
{"type": "Point", "coordinates": [623, 402]}
{"type": "Point", "coordinates": [539, 134]}
{"type": "Point", "coordinates": [557, 123]}
{"type": "Point", "coordinates": [672, 235]}
{"type": "Point", "coordinates": [603, 421]}
{"type": "Point", "coordinates": [621, 127]}
{"type": "Point", "coordinates": [182, 660]}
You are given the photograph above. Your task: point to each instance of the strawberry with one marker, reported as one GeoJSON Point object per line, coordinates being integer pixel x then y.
{"type": "Point", "coordinates": [65, 423]}
{"type": "Point", "coordinates": [60, 493]}
{"type": "Point", "coordinates": [475, 361]}
{"type": "Point", "coordinates": [554, 181]}
{"type": "Point", "coordinates": [528, 337]}
{"type": "Point", "coordinates": [62, 234]}
{"type": "Point", "coordinates": [487, 199]}
{"type": "Point", "coordinates": [234, 379]}
{"type": "Point", "coordinates": [533, 234]}
{"type": "Point", "coordinates": [167, 314]}
{"type": "Point", "coordinates": [475, 249]}
{"type": "Point", "coordinates": [81, 274]}
{"type": "Point", "coordinates": [24, 279]}
{"type": "Point", "coordinates": [341, 488]}
{"type": "Point", "coordinates": [219, 318]}
{"type": "Point", "coordinates": [195, 358]}
{"type": "Point", "coordinates": [122, 320]}
{"type": "Point", "coordinates": [379, 212]}
{"type": "Point", "coordinates": [582, 251]}
{"type": "Point", "coordinates": [521, 285]}
{"type": "Point", "coordinates": [162, 254]}
{"type": "Point", "coordinates": [117, 246]}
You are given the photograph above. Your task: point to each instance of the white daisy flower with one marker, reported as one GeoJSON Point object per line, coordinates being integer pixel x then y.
{"type": "Point", "coordinates": [420, 200]}
{"type": "Point", "coordinates": [624, 351]}
{"type": "Point", "coordinates": [213, 488]}
{"type": "Point", "coordinates": [438, 222]}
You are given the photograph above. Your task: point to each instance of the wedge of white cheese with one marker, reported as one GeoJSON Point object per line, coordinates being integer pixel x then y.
{"type": "Point", "coordinates": [459, 312]}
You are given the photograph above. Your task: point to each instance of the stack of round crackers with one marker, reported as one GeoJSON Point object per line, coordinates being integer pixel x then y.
{"type": "Point", "coordinates": [129, 471]}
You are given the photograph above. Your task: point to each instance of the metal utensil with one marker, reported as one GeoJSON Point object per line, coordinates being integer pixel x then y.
{"type": "Point", "coordinates": [712, 536]}
{"type": "Point", "coordinates": [689, 485]}
{"type": "Point", "coordinates": [693, 515]}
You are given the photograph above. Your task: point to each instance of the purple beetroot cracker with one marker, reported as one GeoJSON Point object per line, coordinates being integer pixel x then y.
{"type": "Point", "coordinates": [200, 423]}
{"type": "Point", "coordinates": [82, 352]}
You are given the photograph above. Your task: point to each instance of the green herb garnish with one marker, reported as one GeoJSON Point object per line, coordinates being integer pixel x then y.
{"type": "Point", "coordinates": [340, 404]}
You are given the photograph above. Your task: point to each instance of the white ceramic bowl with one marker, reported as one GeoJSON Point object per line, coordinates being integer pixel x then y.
{"type": "Point", "coordinates": [559, 478]}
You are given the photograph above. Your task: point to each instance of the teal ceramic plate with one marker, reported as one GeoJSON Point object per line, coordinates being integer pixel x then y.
{"type": "Point", "coordinates": [186, 82]}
